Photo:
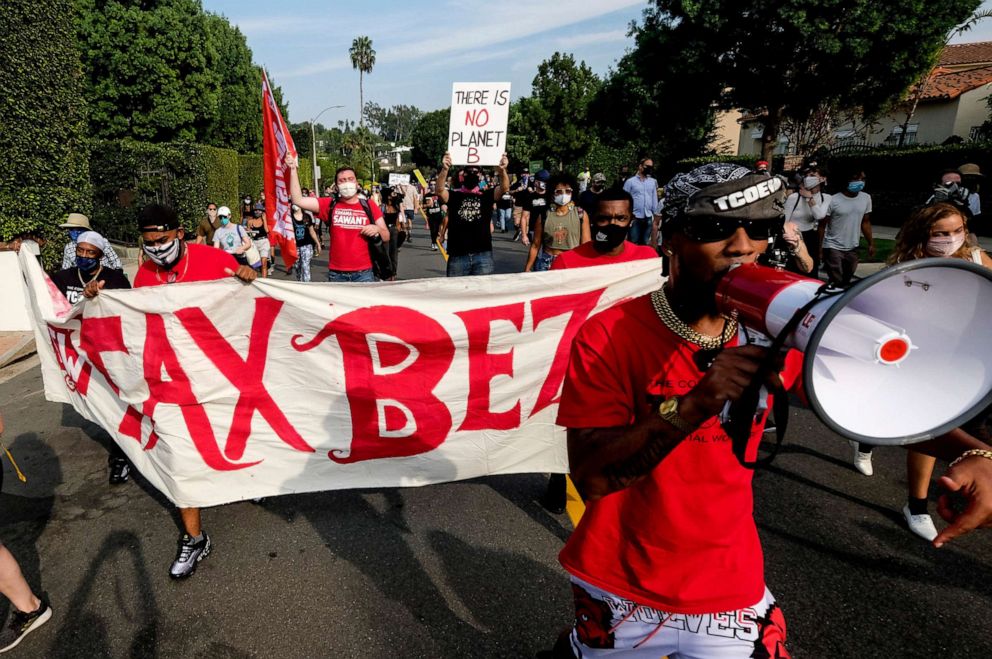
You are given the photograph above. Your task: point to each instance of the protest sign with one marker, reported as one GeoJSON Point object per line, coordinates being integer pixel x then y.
{"type": "Point", "coordinates": [221, 391]}
{"type": "Point", "coordinates": [477, 127]}
{"type": "Point", "coordinates": [420, 178]}
{"type": "Point", "coordinates": [396, 179]}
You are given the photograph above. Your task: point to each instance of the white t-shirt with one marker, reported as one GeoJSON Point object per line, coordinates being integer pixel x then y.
{"type": "Point", "coordinates": [844, 229]}
{"type": "Point", "coordinates": [974, 204]}
{"type": "Point", "coordinates": [229, 238]}
{"type": "Point", "coordinates": [805, 216]}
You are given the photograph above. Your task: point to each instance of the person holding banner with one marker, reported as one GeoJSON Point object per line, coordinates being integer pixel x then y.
{"type": "Point", "coordinates": [72, 283]}
{"type": "Point", "coordinates": [353, 222]}
{"type": "Point", "coordinates": [469, 218]}
{"type": "Point", "coordinates": [668, 533]}
{"type": "Point", "coordinates": [171, 260]}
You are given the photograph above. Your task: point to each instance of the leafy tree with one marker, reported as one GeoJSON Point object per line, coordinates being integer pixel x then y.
{"type": "Point", "coordinates": [429, 138]}
{"type": "Point", "coordinates": [787, 57]}
{"type": "Point", "coordinates": [394, 124]}
{"type": "Point", "coordinates": [150, 69]}
{"type": "Point", "coordinates": [239, 121]}
{"type": "Point", "coordinates": [659, 99]}
{"type": "Point", "coordinates": [558, 117]}
{"type": "Point", "coordinates": [362, 59]}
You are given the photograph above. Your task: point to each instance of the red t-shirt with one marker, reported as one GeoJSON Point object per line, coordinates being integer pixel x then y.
{"type": "Point", "coordinates": [683, 539]}
{"type": "Point", "coordinates": [586, 255]}
{"type": "Point", "coordinates": [349, 251]}
{"type": "Point", "coordinates": [199, 263]}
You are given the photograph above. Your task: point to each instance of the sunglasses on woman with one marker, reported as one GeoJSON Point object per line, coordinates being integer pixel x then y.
{"type": "Point", "coordinates": [709, 229]}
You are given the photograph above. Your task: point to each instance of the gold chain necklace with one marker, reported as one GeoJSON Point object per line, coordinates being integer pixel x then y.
{"type": "Point", "coordinates": [664, 310]}
{"type": "Point", "coordinates": [173, 276]}
{"type": "Point", "coordinates": [96, 274]}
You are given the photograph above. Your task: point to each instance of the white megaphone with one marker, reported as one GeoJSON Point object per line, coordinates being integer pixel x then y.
{"type": "Point", "coordinates": [900, 357]}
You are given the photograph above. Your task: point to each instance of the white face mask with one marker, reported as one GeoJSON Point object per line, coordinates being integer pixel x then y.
{"type": "Point", "coordinates": [945, 245]}
{"type": "Point", "coordinates": [166, 255]}
{"type": "Point", "coordinates": [562, 199]}
{"type": "Point", "coordinates": [811, 182]}
{"type": "Point", "coordinates": [347, 189]}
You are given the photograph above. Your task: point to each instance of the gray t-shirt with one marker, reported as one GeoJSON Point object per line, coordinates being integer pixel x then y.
{"type": "Point", "coordinates": [229, 238]}
{"type": "Point", "coordinates": [844, 230]}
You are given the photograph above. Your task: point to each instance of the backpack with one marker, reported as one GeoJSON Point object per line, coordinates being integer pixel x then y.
{"type": "Point", "coordinates": [382, 266]}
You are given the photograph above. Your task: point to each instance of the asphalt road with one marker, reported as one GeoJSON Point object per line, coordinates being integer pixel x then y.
{"type": "Point", "coordinates": [462, 569]}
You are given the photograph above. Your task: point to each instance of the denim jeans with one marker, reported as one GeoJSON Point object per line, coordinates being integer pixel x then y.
{"type": "Point", "coordinates": [640, 230]}
{"type": "Point", "coordinates": [480, 263]}
{"type": "Point", "coordinates": [503, 218]}
{"type": "Point", "coordinates": [543, 261]}
{"type": "Point", "coordinates": [340, 276]}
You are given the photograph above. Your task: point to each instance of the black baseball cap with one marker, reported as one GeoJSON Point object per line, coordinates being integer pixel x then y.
{"type": "Point", "coordinates": [157, 217]}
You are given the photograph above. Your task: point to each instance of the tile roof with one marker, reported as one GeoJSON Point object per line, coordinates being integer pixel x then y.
{"type": "Point", "coordinates": [978, 52]}
{"type": "Point", "coordinates": [947, 85]}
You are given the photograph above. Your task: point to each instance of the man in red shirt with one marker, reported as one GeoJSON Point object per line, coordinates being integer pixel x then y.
{"type": "Point", "coordinates": [666, 559]}
{"type": "Point", "coordinates": [170, 260]}
{"type": "Point", "coordinates": [351, 228]}
{"type": "Point", "coordinates": [610, 218]}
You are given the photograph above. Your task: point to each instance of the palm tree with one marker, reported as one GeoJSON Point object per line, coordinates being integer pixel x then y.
{"type": "Point", "coordinates": [363, 59]}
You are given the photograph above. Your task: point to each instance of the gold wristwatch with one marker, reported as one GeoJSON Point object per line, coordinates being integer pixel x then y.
{"type": "Point", "coordinates": [669, 411]}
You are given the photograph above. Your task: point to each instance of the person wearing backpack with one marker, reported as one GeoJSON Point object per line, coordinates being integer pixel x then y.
{"type": "Point", "coordinates": [354, 223]}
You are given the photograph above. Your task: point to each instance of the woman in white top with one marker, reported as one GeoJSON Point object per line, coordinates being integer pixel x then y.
{"type": "Point", "coordinates": [805, 209]}
{"type": "Point", "coordinates": [937, 230]}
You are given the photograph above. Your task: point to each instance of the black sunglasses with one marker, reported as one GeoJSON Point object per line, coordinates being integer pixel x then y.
{"type": "Point", "coordinates": [709, 229]}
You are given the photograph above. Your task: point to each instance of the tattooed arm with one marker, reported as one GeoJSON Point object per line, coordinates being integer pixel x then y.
{"type": "Point", "coordinates": [605, 460]}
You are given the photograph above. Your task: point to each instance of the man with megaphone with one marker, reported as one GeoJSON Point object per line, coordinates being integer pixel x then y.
{"type": "Point", "coordinates": [666, 559]}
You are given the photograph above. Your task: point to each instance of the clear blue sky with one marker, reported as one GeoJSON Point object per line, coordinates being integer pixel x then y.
{"type": "Point", "coordinates": [421, 48]}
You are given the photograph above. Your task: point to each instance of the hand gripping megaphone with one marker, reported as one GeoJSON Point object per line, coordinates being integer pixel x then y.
{"type": "Point", "coordinates": [899, 357]}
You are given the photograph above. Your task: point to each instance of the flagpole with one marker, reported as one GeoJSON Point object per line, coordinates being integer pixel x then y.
{"type": "Point", "coordinates": [313, 144]}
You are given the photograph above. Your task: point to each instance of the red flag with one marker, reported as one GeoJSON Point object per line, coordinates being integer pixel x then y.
{"type": "Point", "coordinates": [276, 143]}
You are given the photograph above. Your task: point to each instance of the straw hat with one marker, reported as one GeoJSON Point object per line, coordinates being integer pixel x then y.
{"type": "Point", "coordinates": [76, 221]}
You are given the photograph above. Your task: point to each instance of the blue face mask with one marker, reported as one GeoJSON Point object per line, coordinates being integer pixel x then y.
{"type": "Point", "coordinates": [74, 234]}
{"type": "Point", "coordinates": [87, 263]}
{"type": "Point", "coordinates": [224, 221]}
{"type": "Point", "coordinates": [855, 187]}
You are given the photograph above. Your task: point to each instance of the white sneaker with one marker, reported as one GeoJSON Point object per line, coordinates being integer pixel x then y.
{"type": "Point", "coordinates": [921, 525]}
{"type": "Point", "coordinates": [862, 461]}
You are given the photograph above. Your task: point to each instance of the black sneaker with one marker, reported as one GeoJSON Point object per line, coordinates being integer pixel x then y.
{"type": "Point", "coordinates": [120, 470]}
{"type": "Point", "coordinates": [190, 553]}
{"type": "Point", "coordinates": [20, 625]}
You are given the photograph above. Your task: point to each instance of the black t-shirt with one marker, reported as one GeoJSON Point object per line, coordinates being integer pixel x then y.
{"type": "Point", "coordinates": [587, 201]}
{"type": "Point", "coordinates": [256, 233]}
{"type": "Point", "coordinates": [505, 201]}
{"type": "Point", "coordinates": [537, 205]}
{"type": "Point", "coordinates": [434, 213]}
{"type": "Point", "coordinates": [69, 283]}
{"type": "Point", "coordinates": [469, 216]}
{"type": "Point", "coordinates": [301, 229]}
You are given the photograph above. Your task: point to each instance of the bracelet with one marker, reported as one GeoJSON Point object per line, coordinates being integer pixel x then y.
{"type": "Point", "coordinates": [979, 452]}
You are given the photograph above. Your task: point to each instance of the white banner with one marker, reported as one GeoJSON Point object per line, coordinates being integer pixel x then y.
{"type": "Point", "coordinates": [396, 179]}
{"type": "Point", "coordinates": [480, 112]}
{"type": "Point", "coordinates": [222, 391]}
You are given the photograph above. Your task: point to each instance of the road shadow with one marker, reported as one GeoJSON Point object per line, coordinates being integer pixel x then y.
{"type": "Point", "coordinates": [96, 433]}
{"type": "Point", "coordinates": [83, 632]}
{"type": "Point", "coordinates": [26, 508]}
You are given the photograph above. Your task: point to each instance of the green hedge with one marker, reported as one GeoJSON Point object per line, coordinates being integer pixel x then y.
{"type": "Point", "coordinates": [897, 179]}
{"type": "Point", "coordinates": [250, 174]}
{"type": "Point", "coordinates": [223, 171]}
{"type": "Point", "coordinates": [126, 175]}
{"type": "Point", "coordinates": [42, 122]}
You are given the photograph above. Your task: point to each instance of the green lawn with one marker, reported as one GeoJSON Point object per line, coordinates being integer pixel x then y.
{"type": "Point", "coordinates": [883, 247]}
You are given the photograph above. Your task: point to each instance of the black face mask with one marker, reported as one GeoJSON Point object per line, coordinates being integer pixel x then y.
{"type": "Point", "coordinates": [607, 238]}
{"type": "Point", "coordinates": [648, 170]}
{"type": "Point", "coordinates": [471, 180]}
